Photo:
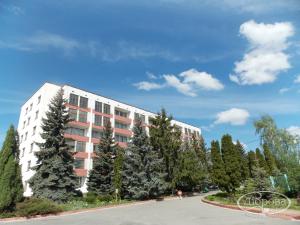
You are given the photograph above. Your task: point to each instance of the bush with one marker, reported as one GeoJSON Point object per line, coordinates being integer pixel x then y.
{"type": "Point", "coordinates": [34, 206]}
{"type": "Point", "coordinates": [90, 198]}
{"type": "Point", "coordinates": [105, 198]}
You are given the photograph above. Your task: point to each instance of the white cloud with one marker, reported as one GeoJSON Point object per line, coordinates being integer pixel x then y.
{"type": "Point", "coordinates": [284, 90]}
{"type": "Point", "coordinates": [233, 116]}
{"type": "Point", "coordinates": [294, 130]}
{"type": "Point", "coordinates": [183, 88]}
{"type": "Point", "coordinates": [201, 79]}
{"type": "Point", "coordinates": [147, 86]}
{"type": "Point", "coordinates": [297, 80]}
{"type": "Point", "coordinates": [151, 76]}
{"type": "Point", "coordinates": [266, 57]}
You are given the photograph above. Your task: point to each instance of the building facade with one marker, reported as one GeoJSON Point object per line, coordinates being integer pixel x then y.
{"type": "Point", "coordinates": [89, 112]}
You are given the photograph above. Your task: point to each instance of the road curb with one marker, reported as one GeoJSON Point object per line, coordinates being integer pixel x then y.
{"type": "Point", "coordinates": [285, 216]}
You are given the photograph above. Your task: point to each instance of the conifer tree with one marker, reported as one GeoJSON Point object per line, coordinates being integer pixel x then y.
{"type": "Point", "coordinates": [261, 160]}
{"type": "Point", "coordinates": [252, 163]}
{"type": "Point", "coordinates": [199, 147]}
{"type": "Point", "coordinates": [54, 177]}
{"type": "Point", "coordinates": [231, 160]}
{"type": "Point", "coordinates": [142, 177]}
{"type": "Point", "coordinates": [100, 180]}
{"type": "Point", "coordinates": [270, 160]}
{"type": "Point", "coordinates": [242, 157]}
{"type": "Point", "coordinates": [218, 173]}
{"type": "Point", "coordinates": [11, 188]}
{"type": "Point", "coordinates": [118, 168]}
{"type": "Point", "coordinates": [166, 139]}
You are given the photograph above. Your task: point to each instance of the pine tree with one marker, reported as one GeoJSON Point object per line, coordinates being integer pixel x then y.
{"type": "Point", "coordinates": [270, 160]}
{"type": "Point", "coordinates": [218, 174]}
{"type": "Point", "coordinates": [231, 160]}
{"type": "Point", "coordinates": [118, 168]}
{"type": "Point", "coordinates": [11, 188]}
{"type": "Point", "coordinates": [54, 177]}
{"type": "Point", "coordinates": [166, 139]}
{"type": "Point", "coordinates": [100, 180]}
{"type": "Point", "coordinates": [141, 175]}
{"type": "Point", "coordinates": [242, 161]}
{"type": "Point", "coordinates": [199, 147]}
{"type": "Point", "coordinates": [261, 160]}
{"type": "Point", "coordinates": [252, 163]}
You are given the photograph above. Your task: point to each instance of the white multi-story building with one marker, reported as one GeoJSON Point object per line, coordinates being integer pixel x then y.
{"type": "Point", "coordinates": [89, 111]}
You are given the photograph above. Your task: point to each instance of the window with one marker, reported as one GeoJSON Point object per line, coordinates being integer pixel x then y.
{"type": "Point", "coordinates": [121, 113]}
{"type": "Point", "coordinates": [23, 152]}
{"type": "Point", "coordinates": [95, 147]}
{"type": "Point", "coordinates": [28, 165]}
{"type": "Point", "coordinates": [185, 130]}
{"type": "Point", "coordinates": [106, 120]}
{"type": "Point", "coordinates": [98, 107]}
{"type": "Point", "coordinates": [39, 99]}
{"type": "Point", "coordinates": [71, 144]}
{"type": "Point", "coordinates": [82, 117]}
{"type": "Point", "coordinates": [33, 131]}
{"type": "Point", "coordinates": [73, 114]}
{"type": "Point", "coordinates": [139, 116]}
{"type": "Point", "coordinates": [79, 163]}
{"type": "Point", "coordinates": [97, 134]}
{"type": "Point", "coordinates": [24, 124]}
{"type": "Point", "coordinates": [21, 138]}
{"type": "Point", "coordinates": [106, 109]}
{"type": "Point", "coordinates": [80, 146]}
{"type": "Point", "coordinates": [120, 138]}
{"type": "Point", "coordinates": [31, 148]}
{"type": "Point", "coordinates": [73, 100]}
{"type": "Point", "coordinates": [121, 125]}
{"type": "Point", "coordinates": [26, 134]}
{"type": "Point", "coordinates": [80, 182]}
{"type": "Point", "coordinates": [26, 111]}
{"type": "Point", "coordinates": [25, 186]}
{"type": "Point", "coordinates": [36, 114]}
{"type": "Point", "coordinates": [75, 131]}
{"type": "Point", "coordinates": [28, 121]}
{"type": "Point", "coordinates": [98, 120]}
{"type": "Point", "coordinates": [83, 102]}
{"type": "Point", "coordinates": [30, 106]}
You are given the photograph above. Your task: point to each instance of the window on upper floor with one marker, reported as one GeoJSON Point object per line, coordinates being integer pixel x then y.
{"type": "Point", "coordinates": [26, 111]}
{"type": "Point", "coordinates": [105, 120]}
{"type": "Point", "coordinates": [98, 120]}
{"type": "Point", "coordinates": [39, 99]}
{"type": "Point", "coordinates": [37, 114]}
{"type": "Point", "coordinates": [97, 134]}
{"type": "Point", "coordinates": [83, 102]}
{"type": "Point", "coordinates": [82, 116]}
{"type": "Point", "coordinates": [75, 131]}
{"type": "Point", "coordinates": [26, 134]}
{"type": "Point", "coordinates": [98, 107]}
{"type": "Point", "coordinates": [21, 139]}
{"type": "Point", "coordinates": [139, 116]}
{"type": "Point", "coordinates": [33, 130]}
{"type": "Point", "coordinates": [80, 146]}
{"type": "Point", "coordinates": [80, 181]}
{"type": "Point", "coordinates": [71, 144]}
{"type": "Point", "coordinates": [79, 163]}
{"type": "Point", "coordinates": [73, 100]}
{"type": "Point", "coordinates": [28, 121]}
{"type": "Point", "coordinates": [106, 108]}
{"type": "Point", "coordinates": [30, 108]}
{"type": "Point", "coordinates": [28, 165]}
{"type": "Point", "coordinates": [23, 152]}
{"type": "Point", "coordinates": [120, 138]}
{"type": "Point", "coordinates": [73, 114]}
{"type": "Point", "coordinates": [121, 125]}
{"type": "Point", "coordinates": [185, 130]}
{"type": "Point", "coordinates": [24, 124]}
{"type": "Point", "coordinates": [31, 147]}
{"type": "Point", "coordinates": [121, 113]}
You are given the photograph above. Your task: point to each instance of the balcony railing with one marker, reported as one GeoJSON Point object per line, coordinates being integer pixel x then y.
{"type": "Point", "coordinates": [123, 119]}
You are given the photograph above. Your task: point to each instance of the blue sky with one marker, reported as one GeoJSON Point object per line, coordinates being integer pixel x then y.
{"type": "Point", "coordinates": [216, 64]}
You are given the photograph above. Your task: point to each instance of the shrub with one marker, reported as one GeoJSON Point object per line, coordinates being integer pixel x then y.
{"type": "Point", "coordinates": [90, 198]}
{"type": "Point", "coordinates": [105, 198]}
{"type": "Point", "coordinates": [35, 206]}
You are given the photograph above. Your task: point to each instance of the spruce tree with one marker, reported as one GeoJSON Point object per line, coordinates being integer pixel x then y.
{"type": "Point", "coordinates": [231, 158]}
{"type": "Point", "coordinates": [166, 139]}
{"type": "Point", "coordinates": [100, 179]}
{"type": "Point", "coordinates": [218, 173]}
{"type": "Point", "coordinates": [199, 147]}
{"type": "Point", "coordinates": [142, 177]}
{"type": "Point", "coordinates": [11, 188]}
{"type": "Point", "coordinates": [270, 160]}
{"type": "Point", "coordinates": [252, 163]}
{"type": "Point", "coordinates": [118, 168]}
{"type": "Point", "coordinates": [261, 160]}
{"type": "Point", "coordinates": [54, 176]}
{"type": "Point", "coordinates": [242, 157]}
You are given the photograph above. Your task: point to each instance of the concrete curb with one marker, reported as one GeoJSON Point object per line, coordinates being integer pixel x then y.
{"type": "Point", "coordinates": [78, 211]}
{"type": "Point", "coordinates": [287, 216]}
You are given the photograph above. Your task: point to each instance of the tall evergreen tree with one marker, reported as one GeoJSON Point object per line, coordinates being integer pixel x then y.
{"type": "Point", "coordinates": [218, 173]}
{"type": "Point", "coordinates": [100, 180]}
{"type": "Point", "coordinates": [252, 163]}
{"type": "Point", "coordinates": [118, 168]}
{"type": "Point", "coordinates": [261, 160]}
{"type": "Point", "coordinates": [242, 157]}
{"type": "Point", "coordinates": [231, 160]}
{"type": "Point", "coordinates": [270, 160]}
{"type": "Point", "coordinates": [166, 139]}
{"type": "Point", "coordinates": [141, 175]}
{"type": "Point", "coordinates": [199, 147]}
{"type": "Point", "coordinates": [54, 177]}
{"type": "Point", "coordinates": [11, 188]}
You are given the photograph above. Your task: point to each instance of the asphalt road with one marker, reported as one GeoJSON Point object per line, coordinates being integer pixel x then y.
{"type": "Point", "coordinates": [189, 211]}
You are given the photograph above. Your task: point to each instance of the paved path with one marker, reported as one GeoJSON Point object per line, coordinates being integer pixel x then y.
{"type": "Point", "coordinates": [189, 211]}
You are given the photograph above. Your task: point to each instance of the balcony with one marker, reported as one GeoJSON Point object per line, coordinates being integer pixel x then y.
{"type": "Point", "coordinates": [102, 114]}
{"type": "Point", "coordinates": [97, 127]}
{"type": "Point", "coordinates": [77, 107]}
{"type": "Point", "coordinates": [81, 155]}
{"type": "Point", "coordinates": [81, 172]}
{"type": "Point", "coordinates": [79, 124]}
{"type": "Point", "coordinates": [125, 132]}
{"type": "Point", "coordinates": [122, 119]}
{"type": "Point", "coordinates": [76, 137]}
{"type": "Point", "coordinates": [123, 144]}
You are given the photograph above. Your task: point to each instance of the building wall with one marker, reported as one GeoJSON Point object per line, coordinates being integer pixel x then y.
{"type": "Point", "coordinates": [46, 93]}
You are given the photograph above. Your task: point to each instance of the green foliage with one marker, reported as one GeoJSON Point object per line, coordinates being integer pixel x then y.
{"type": "Point", "coordinates": [166, 139]}
{"type": "Point", "coordinates": [218, 173]}
{"type": "Point", "coordinates": [231, 159]}
{"type": "Point", "coordinates": [270, 160]}
{"type": "Point", "coordinates": [11, 188]}
{"type": "Point", "coordinates": [189, 171]}
{"type": "Point", "coordinates": [142, 175]}
{"type": "Point", "coordinates": [34, 206]}
{"type": "Point", "coordinates": [259, 182]}
{"type": "Point", "coordinates": [118, 167]}
{"type": "Point", "coordinates": [261, 160]}
{"type": "Point", "coordinates": [252, 162]}
{"type": "Point", "coordinates": [100, 180]}
{"type": "Point", "coordinates": [243, 161]}
{"type": "Point", "coordinates": [54, 177]}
